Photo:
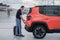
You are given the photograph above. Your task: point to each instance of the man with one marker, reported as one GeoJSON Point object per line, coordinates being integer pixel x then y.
{"type": "Point", "coordinates": [18, 21]}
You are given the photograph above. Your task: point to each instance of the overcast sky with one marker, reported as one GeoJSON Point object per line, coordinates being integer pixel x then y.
{"type": "Point", "coordinates": [27, 3]}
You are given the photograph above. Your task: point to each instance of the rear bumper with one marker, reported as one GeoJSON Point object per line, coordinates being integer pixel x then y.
{"type": "Point", "coordinates": [29, 29]}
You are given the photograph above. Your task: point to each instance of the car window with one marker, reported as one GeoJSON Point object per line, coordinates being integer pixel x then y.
{"type": "Point", "coordinates": [29, 10]}
{"type": "Point", "coordinates": [58, 11]}
{"type": "Point", "coordinates": [50, 10]}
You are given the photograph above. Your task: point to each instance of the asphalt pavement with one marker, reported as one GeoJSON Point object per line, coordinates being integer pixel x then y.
{"type": "Point", "coordinates": [6, 31]}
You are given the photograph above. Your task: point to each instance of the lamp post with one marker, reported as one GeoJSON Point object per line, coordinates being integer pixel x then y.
{"type": "Point", "coordinates": [53, 2]}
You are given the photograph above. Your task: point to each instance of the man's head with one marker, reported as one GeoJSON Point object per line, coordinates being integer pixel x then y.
{"type": "Point", "coordinates": [22, 8]}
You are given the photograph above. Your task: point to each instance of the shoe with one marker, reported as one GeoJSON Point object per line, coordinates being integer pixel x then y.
{"type": "Point", "coordinates": [17, 35]}
{"type": "Point", "coordinates": [21, 35]}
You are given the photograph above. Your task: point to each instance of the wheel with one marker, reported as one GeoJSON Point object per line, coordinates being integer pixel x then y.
{"type": "Point", "coordinates": [39, 32]}
{"type": "Point", "coordinates": [14, 30]}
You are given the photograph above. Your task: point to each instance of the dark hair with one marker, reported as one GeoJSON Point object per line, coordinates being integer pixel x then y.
{"type": "Point", "coordinates": [22, 6]}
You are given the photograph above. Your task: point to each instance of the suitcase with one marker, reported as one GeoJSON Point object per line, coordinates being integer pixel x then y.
{"type": "Point", "coordinates": [14, 31]}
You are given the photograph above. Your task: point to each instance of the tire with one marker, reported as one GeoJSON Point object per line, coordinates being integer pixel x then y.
{"type": "Point", "coordinates": [39, 32]}
{"type": "Point", "coordinates": [14, 30]}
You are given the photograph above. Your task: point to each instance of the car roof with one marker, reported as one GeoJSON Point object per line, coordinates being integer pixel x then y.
{"type": "Point", "coordinates": [48, 6]}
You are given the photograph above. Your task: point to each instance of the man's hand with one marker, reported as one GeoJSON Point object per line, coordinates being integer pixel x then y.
{"type": "Point", "coordinates": [22, 19]}
{"type": "Point", "coordinates": [24, 22]}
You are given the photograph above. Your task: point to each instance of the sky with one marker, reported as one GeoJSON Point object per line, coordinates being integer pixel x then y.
{"type": "Point", "coordinates": [28, 3]}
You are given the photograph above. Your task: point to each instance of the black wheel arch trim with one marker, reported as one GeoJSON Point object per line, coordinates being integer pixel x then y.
{"type": "Point", "coordinates": [40, 23]}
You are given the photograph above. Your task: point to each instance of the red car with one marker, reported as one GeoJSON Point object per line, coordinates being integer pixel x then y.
{"type": "Point", "coordinates": [42, 20]}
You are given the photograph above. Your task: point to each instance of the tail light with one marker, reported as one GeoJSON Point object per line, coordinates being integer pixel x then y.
{"type": "Point", "coordinates": [28, 17]}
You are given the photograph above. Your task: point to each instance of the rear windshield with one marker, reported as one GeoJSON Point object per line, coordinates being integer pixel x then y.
{"type": "Point", "coordinates": [30, 10]}
{"type": "Point", "coordinates": [50, 10]}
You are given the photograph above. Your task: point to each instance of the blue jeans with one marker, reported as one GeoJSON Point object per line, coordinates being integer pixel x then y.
{"type": "Point", "coordinates": [18, 26]}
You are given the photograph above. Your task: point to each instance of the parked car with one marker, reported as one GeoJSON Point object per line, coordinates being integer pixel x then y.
{"type": "Point", "coordinates": [43, 19]}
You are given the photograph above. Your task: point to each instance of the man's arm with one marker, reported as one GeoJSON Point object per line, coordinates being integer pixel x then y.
{"type": "Point", "coordinates": [22, 19]}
